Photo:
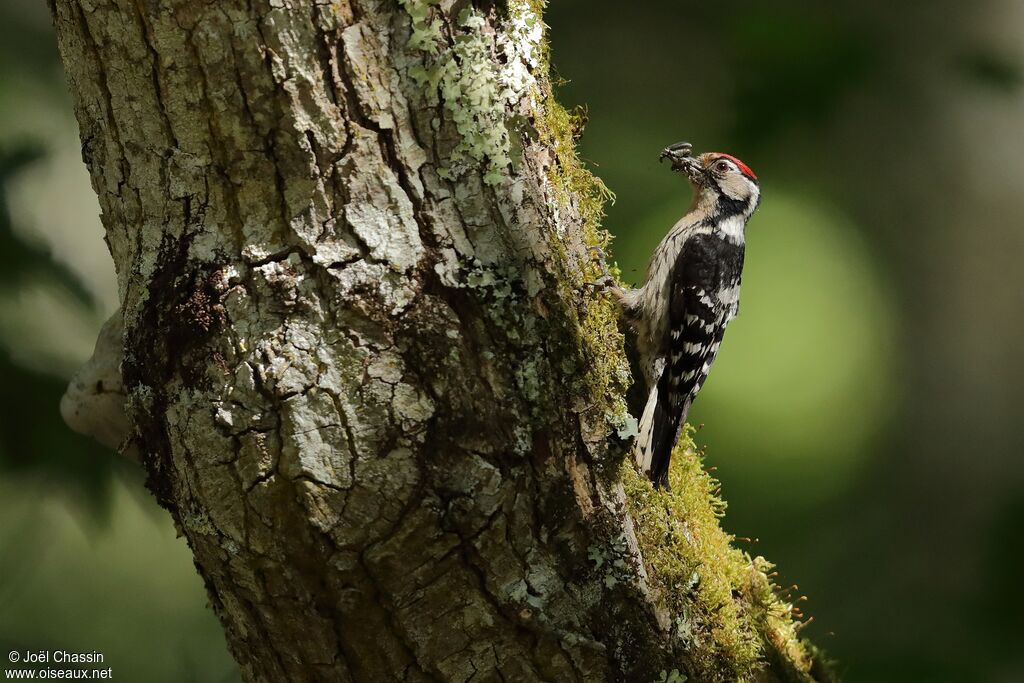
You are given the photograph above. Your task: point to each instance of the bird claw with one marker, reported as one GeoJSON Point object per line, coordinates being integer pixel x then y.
{"type": "Point", "coordinates": [601, 262]}
{"type": "Point", "coordinates": [678, 154]}
{"type": "Point", "coordinates": [606, 281]}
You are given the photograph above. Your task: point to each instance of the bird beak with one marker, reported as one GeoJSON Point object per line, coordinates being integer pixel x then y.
{"type": "Point", "coordinates": [679, 155]}
{"type": "Point", "coordinates": [694, 170]}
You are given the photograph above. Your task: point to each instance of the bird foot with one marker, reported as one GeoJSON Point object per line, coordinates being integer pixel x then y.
{"type": "Point", "coordinates": [606, 281]}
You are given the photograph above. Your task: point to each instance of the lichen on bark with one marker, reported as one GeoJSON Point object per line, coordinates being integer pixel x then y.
{"type": "Point", "coordinates": [362, 367]}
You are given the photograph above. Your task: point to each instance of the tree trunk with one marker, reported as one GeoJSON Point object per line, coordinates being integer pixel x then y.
{"type": "Point", "coordinates": [362, 369]}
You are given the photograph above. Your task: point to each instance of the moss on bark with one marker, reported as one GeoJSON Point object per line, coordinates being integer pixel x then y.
{"type": "Point", "coordinates": [726, 609]}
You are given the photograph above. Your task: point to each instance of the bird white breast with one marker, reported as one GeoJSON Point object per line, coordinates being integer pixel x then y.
{"type": "Point", "coordinates": [732, 228]}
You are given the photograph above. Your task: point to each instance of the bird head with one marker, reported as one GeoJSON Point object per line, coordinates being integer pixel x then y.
{"type": "Point", "coordinates": [718, 179]}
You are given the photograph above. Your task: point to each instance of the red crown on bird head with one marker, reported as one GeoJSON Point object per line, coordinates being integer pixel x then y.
{"type": "Point", "coordinates": [744, 169]}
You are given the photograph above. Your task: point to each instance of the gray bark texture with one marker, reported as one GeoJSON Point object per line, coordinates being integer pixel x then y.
{"type": "Point", "coordinates": [359, 365]}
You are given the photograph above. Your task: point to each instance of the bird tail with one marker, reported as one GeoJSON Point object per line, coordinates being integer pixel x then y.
{"type": "Point", "coordinates": [658, 431]}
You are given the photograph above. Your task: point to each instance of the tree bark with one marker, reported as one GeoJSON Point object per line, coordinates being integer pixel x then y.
{"type": "Point", "coordinates": [361, 367]}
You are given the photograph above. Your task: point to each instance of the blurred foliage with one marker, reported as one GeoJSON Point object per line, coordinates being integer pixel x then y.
{"type": "Point", "coordinates": [1002, 600]}
{"type": "Point", "coordinates": [33, 438]}
{"type": "Point", "coordinates": [792, 65]}
{"type": "Point", "coordinates": [20, 261]}
{"type": "Point", "coordinates": [987, 68]}
{"type": "Point", "coordinates": [130, 592]}
{"type": "Point", "coordinates": [28, 47]}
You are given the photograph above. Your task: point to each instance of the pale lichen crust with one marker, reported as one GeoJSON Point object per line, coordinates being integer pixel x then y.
{"type": "Point", "coordinates": [476, 90]}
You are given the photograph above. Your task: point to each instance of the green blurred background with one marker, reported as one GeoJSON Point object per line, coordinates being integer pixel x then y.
{"type": "Point", "coordinates": [866, 412]}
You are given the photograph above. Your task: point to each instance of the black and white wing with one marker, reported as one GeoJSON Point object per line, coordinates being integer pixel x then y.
{"type": "Point", "coordinates": [704, 297]}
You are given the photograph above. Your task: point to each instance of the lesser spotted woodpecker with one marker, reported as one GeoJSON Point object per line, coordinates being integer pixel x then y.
{"type": "Point", "coordinates": [690, 294]}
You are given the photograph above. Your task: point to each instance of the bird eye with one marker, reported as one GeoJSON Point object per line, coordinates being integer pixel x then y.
{"type": "Point", "coordinates": [722, 166]}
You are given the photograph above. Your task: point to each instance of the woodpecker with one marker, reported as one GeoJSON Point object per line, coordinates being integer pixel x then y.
{"type": "Point", "coordinates": [690, 294]}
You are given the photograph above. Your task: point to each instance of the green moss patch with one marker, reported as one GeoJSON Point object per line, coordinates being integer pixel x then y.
{"type": "Point", "coordinates": [727, 615]}
{"type": "Point", "coordinates": [579, 193]}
